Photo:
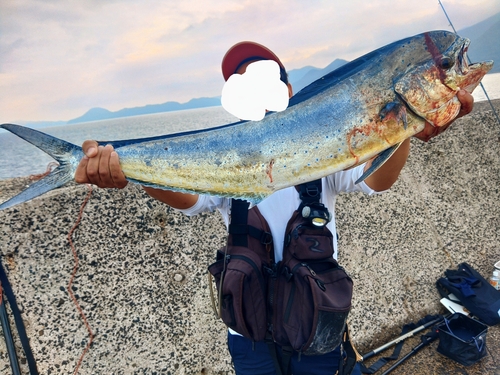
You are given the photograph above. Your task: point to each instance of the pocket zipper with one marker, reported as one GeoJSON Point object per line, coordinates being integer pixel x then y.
{"type": "Point", "coordinates": [253, 265]}
{"type": "Point", "coordinates": [313, 273]}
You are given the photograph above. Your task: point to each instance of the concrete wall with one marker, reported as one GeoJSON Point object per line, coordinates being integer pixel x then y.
{"type": "Point", "coordinates": [142, 278]}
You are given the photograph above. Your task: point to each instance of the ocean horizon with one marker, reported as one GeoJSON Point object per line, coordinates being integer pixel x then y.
{"type": "Point", "coordinates": [20, 159]}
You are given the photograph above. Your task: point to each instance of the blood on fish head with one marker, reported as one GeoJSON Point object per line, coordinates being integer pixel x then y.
{"type": "Point", "coordinates": [430, 89]}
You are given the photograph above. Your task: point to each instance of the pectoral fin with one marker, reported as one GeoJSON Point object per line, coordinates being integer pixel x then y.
{"type": "Point", "coordinates": [378, 162]}
{"type": "Point", "coordinates": [396, 111]}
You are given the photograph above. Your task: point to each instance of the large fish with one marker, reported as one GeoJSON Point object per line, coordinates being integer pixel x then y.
{"type": "Point", "coordinates": [363, 109]}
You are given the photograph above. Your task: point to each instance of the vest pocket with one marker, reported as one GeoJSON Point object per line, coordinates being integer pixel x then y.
{"type": "Point", "coordinates": [305, 242]}
{"type": "Point", "coordinates": [243, 293]}
{"type": "Point", "coordinates": [317, 300]}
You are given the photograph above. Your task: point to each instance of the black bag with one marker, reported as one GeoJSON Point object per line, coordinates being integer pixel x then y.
{"type": "Point", "coordinates": [462, 339]}
{"type": "Point", "coordinates": [474, 292]}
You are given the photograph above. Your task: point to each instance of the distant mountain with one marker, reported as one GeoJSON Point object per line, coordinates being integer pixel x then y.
{"type": "Point", "coordinates": [484, 37]}
{"type": "Point", "coordinates": [313, 74]}
{"type": "Point", "coordinates": [299, 78]}
{"type": "Point", "coordinates": [93, 114]}
{"type": "Point", "coordinates": [96, 114]}
{"type": "Point", "coordinates": [295, 75]}
{"type": "Point", "coordinates": [484, 46]}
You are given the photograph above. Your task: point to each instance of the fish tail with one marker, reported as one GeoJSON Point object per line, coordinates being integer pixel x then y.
{"type": "Point", "coordinates": [66, 154]}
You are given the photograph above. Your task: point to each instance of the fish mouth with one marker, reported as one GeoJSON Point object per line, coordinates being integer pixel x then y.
{"type": "Point", "coordinates": [466, 75]}
{"type": "Point", "coordinates": [463, 65]}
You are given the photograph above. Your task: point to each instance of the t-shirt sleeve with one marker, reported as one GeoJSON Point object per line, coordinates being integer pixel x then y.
{"type": "Point", "coordinates": [345, 182]}
{"type": "Point", "coordinates": [205, 203]}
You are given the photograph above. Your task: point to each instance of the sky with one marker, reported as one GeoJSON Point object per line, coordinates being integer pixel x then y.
{"type": "Point", "coordinates": [59, 58]}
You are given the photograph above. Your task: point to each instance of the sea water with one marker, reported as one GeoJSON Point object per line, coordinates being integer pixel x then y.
{"type": "Point", "coordinates": [490, 83]}
{"type": "Point", "coordinates": [19, 158]}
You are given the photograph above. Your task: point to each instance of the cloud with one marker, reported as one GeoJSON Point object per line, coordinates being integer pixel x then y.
{"type": "Point", "coordinates": [59, 57]}
{"type": "Point", "coordinates": [248, 95]}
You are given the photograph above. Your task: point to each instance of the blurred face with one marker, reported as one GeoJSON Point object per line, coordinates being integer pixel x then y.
{"type": "Point", "coordinates": [243, 68]}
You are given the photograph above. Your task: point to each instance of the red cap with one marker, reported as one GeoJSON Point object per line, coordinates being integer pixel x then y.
{"type": "Point", "coordinates": [245, 51]}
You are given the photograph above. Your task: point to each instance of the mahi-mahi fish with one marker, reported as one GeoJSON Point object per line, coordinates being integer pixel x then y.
{"type": "Point", "coordinates": [361, 111]}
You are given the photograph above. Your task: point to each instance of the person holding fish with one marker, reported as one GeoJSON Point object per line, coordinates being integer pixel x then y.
{"type": "Point", "coordinates": [101, 166]}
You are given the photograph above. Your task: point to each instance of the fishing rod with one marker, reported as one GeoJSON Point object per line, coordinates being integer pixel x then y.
{"type": "Point", "coordinates": [7, 334]}
{"type": "Point", "coordinates": [468, 59]}
{"type": "Point", "coordinates": [23, 337]}
{"type": "Point", "coordinates": [402, 337]}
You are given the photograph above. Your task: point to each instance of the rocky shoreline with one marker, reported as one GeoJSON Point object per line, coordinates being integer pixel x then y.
{"type": "Point", "coordinates": [142, 279]}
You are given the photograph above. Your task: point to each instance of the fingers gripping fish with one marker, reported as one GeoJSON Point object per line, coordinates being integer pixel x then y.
{"type": "Point", "coordinates": [362, 110]}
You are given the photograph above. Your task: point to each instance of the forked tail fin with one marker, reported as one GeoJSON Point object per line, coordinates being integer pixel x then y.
{"type": "Point", "coordinates": [66, 154]}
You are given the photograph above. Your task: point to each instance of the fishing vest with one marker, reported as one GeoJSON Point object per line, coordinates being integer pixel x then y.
{"type": "Point", "coordinates": [300, 303]}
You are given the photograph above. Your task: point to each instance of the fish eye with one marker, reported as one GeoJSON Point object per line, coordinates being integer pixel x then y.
{"type": "Point", "coordinates": [446, 62]}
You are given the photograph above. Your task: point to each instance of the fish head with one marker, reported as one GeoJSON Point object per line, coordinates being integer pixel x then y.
{"type": "Point", "coordinates": [430, 88]}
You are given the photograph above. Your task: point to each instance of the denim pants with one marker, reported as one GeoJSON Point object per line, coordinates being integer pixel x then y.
{"type": "Point", "coordinates": [255, 359]}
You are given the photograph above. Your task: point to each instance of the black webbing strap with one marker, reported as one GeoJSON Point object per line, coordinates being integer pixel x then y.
{"type": "Point", "coordinates": [286, 354]}
{"type": "Point", "coordinates": [281, 366]}
{"type": "Point", "coordinates": [384, 360]}
{"type": "Point", "coordinates": [348, 357]}
{"type": "Point", "coordinates": [273, 350]}
{"type": "Point", "coordinates": [238, 228]}
{"type": "Point", "coordinates": [310, 192]}
{"type": "Point", "coordinates": [18, 320]}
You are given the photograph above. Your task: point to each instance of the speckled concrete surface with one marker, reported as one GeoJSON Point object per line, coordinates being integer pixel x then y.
{"type": "Point", "coordinates": [142, 280]}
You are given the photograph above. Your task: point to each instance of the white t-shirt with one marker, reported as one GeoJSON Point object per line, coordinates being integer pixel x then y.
{"type": "Point", "coordinates": [279, 207]}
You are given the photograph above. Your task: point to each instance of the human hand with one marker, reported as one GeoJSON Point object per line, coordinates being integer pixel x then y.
{"type": "Point", "coordinates": [100, 166]}
{"type": "Point", "coordinates": [430, 131]}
